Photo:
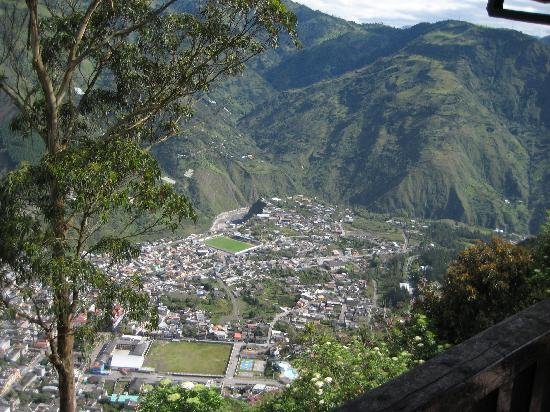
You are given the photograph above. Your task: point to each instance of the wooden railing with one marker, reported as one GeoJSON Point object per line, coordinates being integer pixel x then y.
{"type": "Point", "coordinates": [495, 8]}
{"type": "Point", "coordinates": [505, 368]}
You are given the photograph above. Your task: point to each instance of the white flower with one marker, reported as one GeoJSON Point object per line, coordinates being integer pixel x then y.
{"type": "Point", "coordinates": [328, 379]}
{"type": "Point", "coordinates": [417, 338]}
{"type": "Point", "coordinates": [173, 397]}
{"type": "Point", "coordinates": [317, 375]}
{"type": "Point", "coordinates": [319, 384]}
{"type": "Point", "coordinates": [287, 385]}
{"type": "Point", "coordinates": [394, 358]}
{"type": "Point", "coordinates": [320, 392]}
{"type": "Point", "coordinates": [421, 361]}
{"type": "Point", "coordinates": [376, 348]}
{"type": "Point", "coordinates": [188, 385]}
{"type": "Point", "coordinates": [322, 401]}
{"type": "Point", "coordinates": [420, 345]}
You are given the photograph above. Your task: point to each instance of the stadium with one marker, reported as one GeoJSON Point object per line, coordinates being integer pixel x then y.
{"type": "Point", "coordinates": [235, 245]}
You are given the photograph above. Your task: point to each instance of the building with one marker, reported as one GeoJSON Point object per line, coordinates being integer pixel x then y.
{"type": "Point", "coordinates": [334, 265]}
{"type": "Point", "coordinates": [129, 352]}
{"type": "Point", "coordinates": [7, 379]}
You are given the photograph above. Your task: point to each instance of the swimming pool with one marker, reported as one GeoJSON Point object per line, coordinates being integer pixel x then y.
{"type": "Point", "coordinates": [246, 365]}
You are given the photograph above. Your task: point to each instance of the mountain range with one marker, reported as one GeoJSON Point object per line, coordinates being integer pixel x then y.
{"type": "Point", "coordinates": [443, 120]}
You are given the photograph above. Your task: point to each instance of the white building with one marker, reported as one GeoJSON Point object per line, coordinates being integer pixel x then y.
{"type": "Point", "coordinates": [129, 352]}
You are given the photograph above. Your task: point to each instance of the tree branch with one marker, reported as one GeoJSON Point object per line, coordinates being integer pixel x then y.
{"type": "Point", "coordinates": [15, 98]}
{"type": "Point", "coordinates": [72, 61]}
{"type": "Point", "coordinates": [137, 26]}
{"type": "Point", "coordinates": [43, 77]}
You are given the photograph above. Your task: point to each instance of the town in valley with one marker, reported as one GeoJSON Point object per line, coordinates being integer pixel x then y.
{"type": "Point", "coordinates": [230, 304]}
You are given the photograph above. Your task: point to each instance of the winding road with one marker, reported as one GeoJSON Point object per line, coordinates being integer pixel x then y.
{"type": "Point", "coordinates": [235, 308]}
{"type": "Point", "coordinates": [274, 321]}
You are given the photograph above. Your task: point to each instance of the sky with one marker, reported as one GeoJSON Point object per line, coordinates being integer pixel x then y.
{"type": "Point", "coordinates": [399, 13]}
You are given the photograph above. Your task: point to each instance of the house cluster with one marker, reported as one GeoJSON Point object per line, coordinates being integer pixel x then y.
{"type": "Point", "coordinates": [27, 381]}
{"type": "Point", "coordinates": [297, 234]}
{"type": "Point", "coordinates": [301, 238]}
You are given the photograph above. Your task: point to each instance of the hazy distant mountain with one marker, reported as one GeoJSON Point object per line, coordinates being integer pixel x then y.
{"type": "Point", "coordinates": [445, 120]}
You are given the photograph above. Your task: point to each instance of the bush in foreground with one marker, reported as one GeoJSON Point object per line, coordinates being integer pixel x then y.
{"type": "Point", "coordinates": [166, 397]}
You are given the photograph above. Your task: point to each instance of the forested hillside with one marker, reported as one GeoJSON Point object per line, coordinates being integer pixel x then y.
{"type": "Point", "coordinates": [445, 120]}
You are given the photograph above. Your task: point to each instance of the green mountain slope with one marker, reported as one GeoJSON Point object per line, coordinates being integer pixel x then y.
{"type": "Point", "coordinates": [453, 124]}
{"type": "Point", "coordinates": [445, 120]}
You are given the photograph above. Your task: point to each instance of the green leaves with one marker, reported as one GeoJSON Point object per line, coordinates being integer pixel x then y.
{"type": "Point", "coordinates": [416, 336]}
{"type": "Point", "coordinates": [332, 372]}
{"type": "Point", "coordinates": [96, 181]}
{"type": "Point", "coordinates": [485, 284]}
{"type": "Point", "coordinates": [166, 397]}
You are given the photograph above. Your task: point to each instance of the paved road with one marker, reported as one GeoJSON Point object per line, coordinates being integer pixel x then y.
{"type": "Point", "coordinates": [156, 377]}
{"type": "Point", "coordinates": [406, 239]}
{"type": "Point", "coordinates": [342, 316]}
{"type": "Point", "coordinates": [274, 321]}
{"type": "Point", "coordinates": [375, 292]}
{"type": "Point", "coordinates": [233, 360]}
{"type": "Point", "coordinates": [103, 338]}
{"type": "Point", "coordinates": [408, 262]}
{"type": "Point", "coordinates": [236, 309]}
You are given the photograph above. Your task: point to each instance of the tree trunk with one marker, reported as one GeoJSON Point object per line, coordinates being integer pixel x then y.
{"type": "Point", "coordinates": [62, 298]}
{"type": "Point", "coordinates": [67, 395]}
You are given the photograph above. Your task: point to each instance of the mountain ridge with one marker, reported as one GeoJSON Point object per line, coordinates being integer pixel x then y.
{"type": "Point", "coordinates": [438, 120]}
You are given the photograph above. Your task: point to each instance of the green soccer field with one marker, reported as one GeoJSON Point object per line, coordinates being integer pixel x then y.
{"type": "Point", "coordinates": [227, 244]}
{"type": "Point", "coordinates": [189, 357]}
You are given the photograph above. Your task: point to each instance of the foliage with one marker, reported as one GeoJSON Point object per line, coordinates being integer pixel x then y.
{"type": "Point", "coordinates": [19, 150]}
{"type": "Point", "coordinates": [332, 372]}
{"type": "Point", "coordinates": [100, 82]}
{"type": "Point", "coordinates": [416, 336]}
{"type": "Point", "coordinates": [166, 397]}
{"type": "Point", "coordinates": [389, 273]}
{"type": "Point", "coordinates": [345, 150]}
{"type": "Point", "coordinates": [397, 297]}
{"type": "Point", "coordinates": [448, 241]}
{"type": "Point", "coordinates": [313, 276]}
{"type": "Point", "coordinates": [96, 183]}
{"type": "Point", "coordinates": [540, 247]}
{"type": "Point", "coordinates": [341, 135]}
{"type": "Point", "coordinates": [264, 303]}
{"type": "Point", "coordinates": [485, 284]}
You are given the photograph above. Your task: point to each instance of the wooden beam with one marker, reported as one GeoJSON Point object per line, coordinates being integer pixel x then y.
{"type": "Point", "coordinates": [495, 8]}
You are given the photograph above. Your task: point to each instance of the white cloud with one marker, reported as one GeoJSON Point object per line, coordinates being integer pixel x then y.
{"type": "Point", "coordinates": [400, 13]}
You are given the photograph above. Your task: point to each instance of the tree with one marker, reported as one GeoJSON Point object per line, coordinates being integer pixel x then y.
{"type": "Point", "coordinates": [99, 82]}
{"type": "Point", "coordinates": [414, 335]}
{"type": "Point", "coordinates": [167, 397]}
{"type": "Point", "coordinates": [540, 246]}
{"type": "Point", "coordinates": [331, 373]}
{"type": "Point", "coordinates": [485, 284]}
{"type": "Point", "coordinates": [397, 297]}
